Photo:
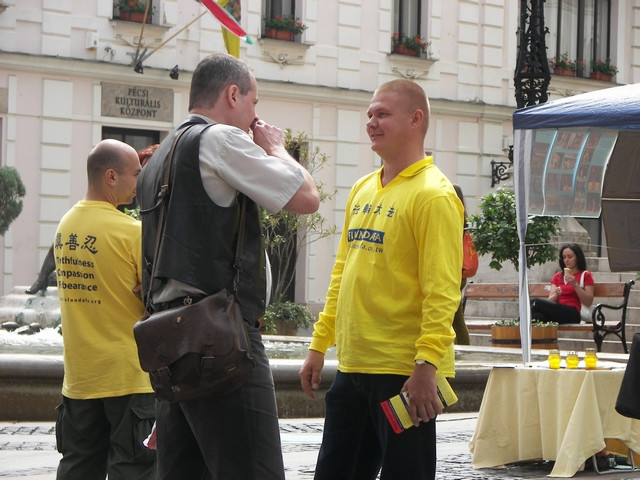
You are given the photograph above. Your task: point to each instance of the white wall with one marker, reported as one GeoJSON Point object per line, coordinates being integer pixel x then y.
{"type": "Point", "coordinates": [50, 84]}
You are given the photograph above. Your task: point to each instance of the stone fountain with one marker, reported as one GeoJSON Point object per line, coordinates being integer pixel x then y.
{"type": "Point", "coordinates": [31, 372]}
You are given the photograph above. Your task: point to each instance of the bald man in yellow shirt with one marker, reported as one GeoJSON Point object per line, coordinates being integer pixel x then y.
{"type": "Point", "coordinates": [394, 290]}
{"type": "Point", "coordinates": [108, 406]}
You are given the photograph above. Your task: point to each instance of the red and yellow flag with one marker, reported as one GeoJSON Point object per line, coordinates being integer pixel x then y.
{"type": "Point", "coordinates": [229, 17]}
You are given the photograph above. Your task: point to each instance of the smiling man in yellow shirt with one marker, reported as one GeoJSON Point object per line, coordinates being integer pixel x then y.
{"type": "Point", "coordinates": [394, 290]}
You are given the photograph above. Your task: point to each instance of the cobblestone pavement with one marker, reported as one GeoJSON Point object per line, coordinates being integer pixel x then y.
{"type": "Point", "coordinates": [27, 452]}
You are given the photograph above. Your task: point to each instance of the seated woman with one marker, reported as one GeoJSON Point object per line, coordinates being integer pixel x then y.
{"type": "Point", "coordinates": [571, 288]}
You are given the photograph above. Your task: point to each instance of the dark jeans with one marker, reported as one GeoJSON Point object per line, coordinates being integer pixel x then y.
{"type": "Point", "coordinates": [231, 437]}
{"type": "Point", "coordinates": [548, 311]}
{"type": "Point", "coordinates": [358, 440]}
{"type": "Point", "coordinates": [104, 436]}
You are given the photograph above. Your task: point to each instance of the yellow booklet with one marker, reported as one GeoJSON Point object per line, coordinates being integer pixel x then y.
{"type": "Point", "coordinates": [396, 408]}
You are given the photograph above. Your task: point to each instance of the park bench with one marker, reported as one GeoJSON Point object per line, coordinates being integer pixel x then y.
{"type": "Point", "coordinates": [599, 325]}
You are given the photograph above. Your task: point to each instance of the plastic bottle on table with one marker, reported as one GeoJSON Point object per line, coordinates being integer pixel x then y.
{"type": "Point", "coordinates": [590, 358]}
{"type": "Point", "coordinates": [572, 360]}
{"type": "Point", "coordinates": [554, 359]}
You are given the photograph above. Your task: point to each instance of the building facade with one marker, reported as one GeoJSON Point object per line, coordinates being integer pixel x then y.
{"type": "Point", "coordinates": [73, 73]}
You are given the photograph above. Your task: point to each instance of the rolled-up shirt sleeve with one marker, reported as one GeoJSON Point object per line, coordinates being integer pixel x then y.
{"type": "Point", "coordinates": [231, 162]}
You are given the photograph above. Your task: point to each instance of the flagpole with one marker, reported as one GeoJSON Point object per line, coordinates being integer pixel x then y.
{"type": "Point", "coordinates": [144, 20]}
{"type": "Point", "coordinates": [173, 36]}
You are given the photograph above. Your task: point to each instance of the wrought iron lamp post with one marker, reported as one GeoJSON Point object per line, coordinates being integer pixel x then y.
{"type": "Point", "coordinates": [501, 171]}
{"type": "Point", "coordinates": [532, 76]}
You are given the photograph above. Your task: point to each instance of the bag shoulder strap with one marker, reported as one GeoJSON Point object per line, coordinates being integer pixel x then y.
{"type": "Point", "coordinates": [161, 202]}
{"type": "Point", "coordinates": [164, 189]}
{"type": "Point", "coordinates": [582, 279]}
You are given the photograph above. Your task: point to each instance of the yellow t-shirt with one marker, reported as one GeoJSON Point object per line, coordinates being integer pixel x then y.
{"type": "Point", "coordinates": [98, 262]}
{"type": "Point", "coordinates": [395, 286]}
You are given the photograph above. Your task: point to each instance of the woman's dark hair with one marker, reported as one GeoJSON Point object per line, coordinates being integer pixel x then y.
{"type": "Point", "coordinates": [581, 260]}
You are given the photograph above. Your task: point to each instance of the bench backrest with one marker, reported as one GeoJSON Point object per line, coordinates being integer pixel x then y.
{"type": "Point", "coordinates": [536, 290]}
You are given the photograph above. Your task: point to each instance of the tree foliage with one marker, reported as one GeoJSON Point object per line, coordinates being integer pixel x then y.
{"type": "Point", "coordinates": [286, 234]}
{"type": "Point", "coordinates": [495, 232]}
{"type": "Point", "coordinates": [11, 192]}
{"type": "Point", "coordinates": [289, 313]}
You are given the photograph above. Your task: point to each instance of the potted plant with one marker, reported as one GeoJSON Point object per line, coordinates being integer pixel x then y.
{"type": "Point", "coordinates": [494, 231]}
{"type": "Point", "coordinates": [283, 27]}
{"type": "Point", "coordinates": [12, 191]}
{"type": "Point", "coordinates": [284, 318]}
{"type": "Point", "coordinates": [285, 233]}
{"type": "Point", "coordinates": [133, 10]}
{"type": "Point", "coordinates": [409, 45]}
{"type": "Point", "coordinates": [603, 70]}
{"type": "Point", "coordinates": [506, 333]}
{"type": "Point", "coordinates": [562, 65]}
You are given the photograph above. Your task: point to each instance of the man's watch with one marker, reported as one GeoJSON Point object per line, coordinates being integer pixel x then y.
{"type": "Point", "coordinates": [421, 362]}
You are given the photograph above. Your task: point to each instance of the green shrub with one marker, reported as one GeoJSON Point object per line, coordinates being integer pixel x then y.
{"type": "Point", "coordinates": [495, 232]}
{"type": "Point", "coordinates": [289, 313]}
{"type": "Point", "coordinates": [135, 212]}
{"type": "Point", "coordinates": [516, 323]}
{"type": "Point", "coordinates": [286, 233]}
{"type": "Point", "coordinates": [11, 192]}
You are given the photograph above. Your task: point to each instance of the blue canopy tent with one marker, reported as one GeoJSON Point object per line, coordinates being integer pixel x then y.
{"type": "Point", "coordinates": [580, 156]}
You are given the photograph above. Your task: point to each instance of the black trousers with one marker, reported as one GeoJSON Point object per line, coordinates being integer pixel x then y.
{"type": "Point", "coordinates": [104, 436]}
{"type": "Point", "coordinates": [231, 437]}
{"type": "Point", "coordinates": [358, 441]}
{"type": "Point", "coordinates": [547, 311]}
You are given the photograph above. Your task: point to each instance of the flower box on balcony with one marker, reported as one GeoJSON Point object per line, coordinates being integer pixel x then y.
{"type": "Point", "coordinates": [404, 50]}
{"type": "Point", "coordinates": [277, 34]}
{"type": "Point", "coordinates": [133, 16]}
{"type": "Point", "coordinates": [564, 72]}
{"type": "Point", "coordinates": [603, 77]}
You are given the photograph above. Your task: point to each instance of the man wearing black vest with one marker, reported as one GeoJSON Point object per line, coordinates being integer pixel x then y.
{"type": "Point", "coordinates": [216, 163]}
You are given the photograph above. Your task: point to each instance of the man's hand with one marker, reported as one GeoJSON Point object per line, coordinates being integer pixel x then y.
{"type": "Point", "coordinates": [306, 200]}
{"type": "Point", "coordinates": [310, 372]}
{"type": "Point", "coordinates": [270, 138]}
{"type": "Point", "coordinates": [423, 393]}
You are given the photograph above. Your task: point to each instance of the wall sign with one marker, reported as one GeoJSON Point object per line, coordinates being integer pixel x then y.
{"type": "Point", "coordinates": [136, 102]}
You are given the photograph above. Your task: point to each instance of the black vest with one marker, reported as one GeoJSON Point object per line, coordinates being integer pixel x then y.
{"type": "Point", "coordinates": [198, 244]}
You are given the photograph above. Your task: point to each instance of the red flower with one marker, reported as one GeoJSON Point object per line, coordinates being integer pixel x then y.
{"type": "Point", "coordinates": [415, 43]}
{"type": "Point", "coordinates": [287, 22]}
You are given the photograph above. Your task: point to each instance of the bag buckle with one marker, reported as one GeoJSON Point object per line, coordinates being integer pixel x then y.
{"type": "Point", "coordinates": [187, 300]}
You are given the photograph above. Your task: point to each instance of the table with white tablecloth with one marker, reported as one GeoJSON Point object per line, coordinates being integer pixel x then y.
{"type": "Point", "coordinates": [531, 412]}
